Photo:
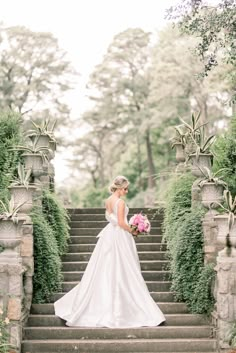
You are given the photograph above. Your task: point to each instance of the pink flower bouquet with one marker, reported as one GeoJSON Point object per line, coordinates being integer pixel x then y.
{"type": "Point", "coordinates": [140, 223]}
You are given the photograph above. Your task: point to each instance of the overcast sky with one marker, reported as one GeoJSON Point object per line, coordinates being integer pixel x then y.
{"type": "Point", "coordinates": [84, 29]}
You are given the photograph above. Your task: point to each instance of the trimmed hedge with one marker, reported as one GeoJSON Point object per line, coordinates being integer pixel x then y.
{"type": "Point", "coordinates": [191, 280]}
{"type": "Point", "coordinates": [58, 218]}
{"type": "Point", "coordinates": [47, 263]}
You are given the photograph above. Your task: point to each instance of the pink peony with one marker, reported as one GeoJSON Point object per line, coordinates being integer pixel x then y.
{"type": "Point", "coordinates": [140, 222]}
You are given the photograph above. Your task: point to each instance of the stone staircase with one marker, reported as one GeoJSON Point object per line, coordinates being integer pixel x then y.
{"type": "Point", "coordinates": [183, 332]}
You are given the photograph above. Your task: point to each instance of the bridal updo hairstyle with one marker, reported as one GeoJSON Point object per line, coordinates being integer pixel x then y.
{"type": "Point", "coordinates": [119, 182]}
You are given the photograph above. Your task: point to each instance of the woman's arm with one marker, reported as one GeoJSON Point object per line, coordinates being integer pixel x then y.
{"type": "Point", "coordinates": [121, 217]}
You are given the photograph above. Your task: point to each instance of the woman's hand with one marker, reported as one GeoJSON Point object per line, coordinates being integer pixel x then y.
{"type": "Point", "coordinates": [135, 232]}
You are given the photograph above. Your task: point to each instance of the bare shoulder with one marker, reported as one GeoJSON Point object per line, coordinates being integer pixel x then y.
{"type": "Point", "coordinates": [121, 203]}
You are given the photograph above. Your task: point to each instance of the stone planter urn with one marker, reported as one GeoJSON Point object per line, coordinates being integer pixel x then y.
{"type": "Point", "coordinates": [211, 194]}
{"type": "Point", "coordinates": [23, 196]}
{"type": "Point", "coordinates": [9, 239]}
{"type": "Point", "coordinates": [180, 152]}
{"type": "Point", "coordinates": [35, 162]}
{"type": "Point", "coordinates": [42, 140]}
{"type": "Point", "coordinates": [223, 230]}
{"type": "Point", "coordinates": [203, 160]}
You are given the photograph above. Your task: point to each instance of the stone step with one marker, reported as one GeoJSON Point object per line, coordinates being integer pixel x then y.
{"type": "Point", "coordinates": [123, 345]}
{"type": "Point", "coordinates": [101, 217]}
{"type": "Point", "coordinates": [144, 247]}
{"type": "Point", "coordinates": [145, 265]}
{"type": "Point", "coordinates": [101, 210]}
{"type": "Point", "coordinates": [101, 224]}
{"type": "Point", "coordinates": [166, 308]}
{"type": "Point", "coordinates": [93, 240]}
{"type": "Point", "coordinates": [143, 256]}
{"type": "Point", "coordinates": [153, 286]}
{"type": "Point", "coordinates": [165, 332]}
{"type": "Point", "coordinates": [171, 320]}
{"type": "Point", "coordinates": [70, 276]}
{"type": "Point", "coordinates": [86, 239]}
{"type": "Point", "coordinates": [94, 231]}
{"type": "Point", "coordinates": [157, 296]}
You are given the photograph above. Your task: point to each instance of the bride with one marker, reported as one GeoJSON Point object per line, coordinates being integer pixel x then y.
{"type": "Point", "coordinates": [112, 291]}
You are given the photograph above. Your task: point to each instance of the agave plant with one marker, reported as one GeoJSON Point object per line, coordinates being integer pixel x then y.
{"type": "Point", "coordinates": [203, 143]}
{"type": "Point", "coordinates": [10, 210]}
{"type": "Point", "coordinates": [180, 137]}
{"type": "Point", "coordinates": [210, 177]}
{"type": "Point", "coordinates": [23, 177]}
{"type": "Point", "coordinates": [43, 129]}
{"type": "Point", "coordinates": [193, 129]}
{"type": "Point", "coordinates": [229, 207]}
{"type": "Point", "coordinates": [33, 148]}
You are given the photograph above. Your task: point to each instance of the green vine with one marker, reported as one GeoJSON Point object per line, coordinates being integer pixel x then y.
{"type": "Point", "coordinates": [47, 262]}
{"type": "Point", "coordinates": [191, 280]}
{"type": "Point", "coordinates": [57, 217]}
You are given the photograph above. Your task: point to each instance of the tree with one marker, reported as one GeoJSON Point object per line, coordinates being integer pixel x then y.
{"type": "Point", "coordinates": [122, 79]}
{"type": "Point", "coordinates": [34, 73]}
{"type": "Point", "coordinates": [176, 87]}
{"type": "Point", "coordinates": [214, 25]}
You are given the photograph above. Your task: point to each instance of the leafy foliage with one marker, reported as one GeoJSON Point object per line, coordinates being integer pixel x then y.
{"type": "Point", "coordinates": [184, 237]}
{"type": "Point", "coordinates": [225, 155]}
{"type": "Point", "coordinates": [57, 217]}
{"type": "Point", "coordinates": [10, 136]}
{"type": "Point", "coordinates": [203, 301]}
{"type": "Point", "coordinates": [47, 263]}
{"type": "Point", "coordinates": [178, 202]}
{"type": "Point", "coordinates": [40, 73]}
{"type": "Point", "coordinates": [187, 255]}
{"type": "Point", "coordinates": [213, 24]}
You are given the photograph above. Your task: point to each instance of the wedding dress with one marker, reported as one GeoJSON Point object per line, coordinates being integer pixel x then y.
{"type": "Point", "coordinates": [112, 291]}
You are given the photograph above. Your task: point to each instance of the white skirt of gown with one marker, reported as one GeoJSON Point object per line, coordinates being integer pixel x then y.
{"type": "Point", "coordinates": [112, 292]}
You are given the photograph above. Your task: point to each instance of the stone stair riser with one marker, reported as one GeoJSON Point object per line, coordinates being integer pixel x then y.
{"type": "Point", "coordinates": [101, 224]}
{"type": "Point", "coordinates": [86, 211]}
{"type": "Point", "coordinates": [167, 308]}
{"type": "Point", "coordinates": [140, 247]}
{"type": "Point", "coordinates": [152, 286]}
{"type": "Point", "coordinates": [147, 275]}
{"type": "Point", "coordinates": [81, 266]}
{"type": "Point", "coordinates": [171, 320]}
{"type": "Point", "coordinates": [94, 231]}
{"type": "Point", "coordinates": [129, 345]}
{"type": "Point", "coordinates": [89, 333]}
{"type": "Point", "coordinates": [101, 217]}
{"type": "Point", "coordinates": [93, 240]}
{"type": "Point", "coordinates": [157, 296]}
{"type": "Point", "coordinates": [148, 256]}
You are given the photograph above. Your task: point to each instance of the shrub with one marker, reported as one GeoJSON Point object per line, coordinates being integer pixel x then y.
{"type": "Point", "coordinates": [187, 254]}
{"type": "Point", "coordinates": [178, 202]}
{"type": "Point", "coordinates": [183, 233]}
{"type": "Point", "coordinates": [225, 155]}
{"type": "Point", "coordinates": [203, 300]}
{"type": "Point", "coordinates": [10, 136]}
{"type": "Point", "coordinates": [57, 217]}
{"type": "Point", "coordinates": [47, 263]}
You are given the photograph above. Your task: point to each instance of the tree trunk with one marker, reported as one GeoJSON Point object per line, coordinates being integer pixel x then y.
{"type": "Point", "coordinates": [139, 164]}
{"type": "Point", "coordinates": [151, 167]}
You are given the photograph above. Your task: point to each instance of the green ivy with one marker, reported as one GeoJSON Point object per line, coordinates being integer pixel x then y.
{"type": "Point", "coordinates": [57, 217]}
{"type": "Point", "coordinates": [47, 263]}
{"type": "Point", "coordinates": [225, 155]}
{"type": "Point", "coordinates": [187, 255]}
{"type": "Point", "coordinates": [203, 300]}
{"type": "Point", "coordinates": [178, 202]}
{"type": "Point", "coordinates": [184, 236]}
{"type": "Point", "coordinates": [10, 136]}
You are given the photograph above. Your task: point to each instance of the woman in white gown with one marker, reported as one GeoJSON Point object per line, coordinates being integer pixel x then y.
{"type": "Point", "coordinates": [112, 291]}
